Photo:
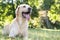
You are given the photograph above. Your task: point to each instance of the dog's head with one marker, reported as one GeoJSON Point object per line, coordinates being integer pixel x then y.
{"type": "Point", "coordinates": [23, 11]}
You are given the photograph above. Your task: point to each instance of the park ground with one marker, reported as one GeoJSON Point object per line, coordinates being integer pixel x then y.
{"type": "Point", "coordinates": [37, 34]}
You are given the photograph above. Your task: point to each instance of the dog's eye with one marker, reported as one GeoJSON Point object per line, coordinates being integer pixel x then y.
{"type": "Point", "coordinates": [24, 6]}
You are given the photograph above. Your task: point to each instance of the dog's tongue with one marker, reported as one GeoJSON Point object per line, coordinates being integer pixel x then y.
{"type": "Point", "coordinates": [27, 16]}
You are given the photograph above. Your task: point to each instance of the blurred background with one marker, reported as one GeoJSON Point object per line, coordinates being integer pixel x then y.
{"type": "Point", "coordinates": [45, 17]}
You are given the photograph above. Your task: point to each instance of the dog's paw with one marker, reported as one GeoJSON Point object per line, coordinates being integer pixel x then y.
{"type": "Point", "coordinates": [11, 36]}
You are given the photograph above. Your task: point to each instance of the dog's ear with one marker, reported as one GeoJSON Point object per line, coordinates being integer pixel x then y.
{"type": "Point", "coordinates": [17, 11]}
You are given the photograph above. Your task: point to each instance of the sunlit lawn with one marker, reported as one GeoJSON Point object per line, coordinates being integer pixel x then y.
{"type": "Point", "coordinates": [38, 34]}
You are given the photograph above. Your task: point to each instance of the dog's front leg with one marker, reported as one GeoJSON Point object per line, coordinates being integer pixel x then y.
{"type": "Point", "coordinates": [13, 32]}
{"type": "Point", "coordinates": [25, 36]}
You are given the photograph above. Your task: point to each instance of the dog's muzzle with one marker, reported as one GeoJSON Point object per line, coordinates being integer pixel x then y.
{"type": "Point", "coordinates": [26, 14]}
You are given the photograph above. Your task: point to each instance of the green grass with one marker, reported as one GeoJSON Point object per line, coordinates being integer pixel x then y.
{"type": "Point", "coordinates": [43, 34]}
{"type": "Point", "coordinates": [38, 34]}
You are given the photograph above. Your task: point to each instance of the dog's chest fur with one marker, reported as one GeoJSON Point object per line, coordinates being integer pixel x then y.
{"type": "Point", "coordinates": [22, 25]}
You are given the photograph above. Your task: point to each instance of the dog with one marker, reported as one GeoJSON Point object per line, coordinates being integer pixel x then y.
{"type": "Point", "coordinates": [19, 25]}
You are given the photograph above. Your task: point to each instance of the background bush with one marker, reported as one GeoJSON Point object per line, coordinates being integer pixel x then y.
{"type": "Point", "coordinates": [7, 11]}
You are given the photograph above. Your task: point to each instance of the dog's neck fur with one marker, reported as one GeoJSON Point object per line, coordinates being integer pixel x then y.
{"type": "Point", "coordinates": [20, 20]}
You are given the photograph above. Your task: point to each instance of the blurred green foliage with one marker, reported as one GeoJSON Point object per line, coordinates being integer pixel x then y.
{"type": "Point", "coordinates": [7, 11]}
{"type": "Point", "coordinates": [54, 14]}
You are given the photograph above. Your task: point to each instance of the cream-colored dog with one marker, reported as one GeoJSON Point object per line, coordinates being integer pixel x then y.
{"type": "Point", "coordinates": [19, 25]}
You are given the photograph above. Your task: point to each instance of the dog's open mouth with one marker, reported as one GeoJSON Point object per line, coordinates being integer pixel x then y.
{"type": "Point", "coordinates": [26, 15]}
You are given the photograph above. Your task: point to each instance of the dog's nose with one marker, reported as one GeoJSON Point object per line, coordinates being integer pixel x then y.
{"type": "Point", "coordinates": [29, 9]}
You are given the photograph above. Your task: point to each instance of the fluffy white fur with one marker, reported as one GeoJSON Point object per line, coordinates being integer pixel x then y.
{"type": "Point", "coordinates": [19, 25]}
